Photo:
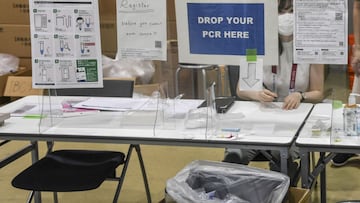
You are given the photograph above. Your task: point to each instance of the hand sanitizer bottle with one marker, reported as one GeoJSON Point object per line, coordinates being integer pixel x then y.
{"type": "Point", "coordinates": [350, 117]}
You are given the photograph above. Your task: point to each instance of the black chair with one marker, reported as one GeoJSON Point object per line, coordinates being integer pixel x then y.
{"type": "Point", "coordinates": [80, 170]}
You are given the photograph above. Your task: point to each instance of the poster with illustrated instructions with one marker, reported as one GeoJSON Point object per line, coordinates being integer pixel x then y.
{"type": "Point", "coordinates": [141, 29]}
{"type": "Point", "coordinates": [321, 31]}
{"type": "Point", "coordinates": [65, 44]}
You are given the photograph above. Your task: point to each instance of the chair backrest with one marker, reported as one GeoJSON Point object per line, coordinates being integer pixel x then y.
{"type": "Point", "coordinates": [233, 73]}
{"type": "Point", "coordinates": [112, 88]}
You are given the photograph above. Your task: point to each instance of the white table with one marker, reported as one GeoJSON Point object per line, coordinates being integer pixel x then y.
{"type": "Point", "coordinates": [261, 127]}
{"type": "Point", "coordinates": [324, 141]}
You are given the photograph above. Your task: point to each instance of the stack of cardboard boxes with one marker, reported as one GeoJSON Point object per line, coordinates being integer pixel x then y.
{"type": "Point", "coordinates": [15, 38]}
{"type": "Point", "coordinates": [15, 30]}
{"type": "Point", "coordinates": [107, 11]}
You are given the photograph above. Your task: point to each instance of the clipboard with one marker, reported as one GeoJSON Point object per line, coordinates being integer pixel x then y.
{"type": "Point", "coordinates": [223, 104]}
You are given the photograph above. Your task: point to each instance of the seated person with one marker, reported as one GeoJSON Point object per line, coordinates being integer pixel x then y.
{"type": "Point", "coordinates": [306, 85]}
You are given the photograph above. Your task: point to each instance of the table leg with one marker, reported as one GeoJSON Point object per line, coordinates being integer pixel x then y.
{"type": "Point", "coordinates": [323, 181]}
{"type": "Point", "coordinates": [305, 170]}
{"type": "Point", "coordinates": [284, 154]}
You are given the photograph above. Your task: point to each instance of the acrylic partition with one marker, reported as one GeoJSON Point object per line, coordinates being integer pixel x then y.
{"type": "Point", "coordinates": [49, 110]}
{"type": "Point", "coordinates": [181, 118]}
{"type": "Point", "coordinates": [221, 126]}
{"type": "Point", "coordinates": [95, 113]}
{"type": "Point", "coordinates": [152, 114]}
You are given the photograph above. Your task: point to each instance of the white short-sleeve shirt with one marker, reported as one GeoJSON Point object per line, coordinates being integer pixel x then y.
{"type": "Point", "coordinates": [279, 82]}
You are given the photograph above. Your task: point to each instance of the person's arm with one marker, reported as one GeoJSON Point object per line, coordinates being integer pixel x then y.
{"type": "Point", "coordinates": [315, 93]}
{"type": "Point", "coordinates": [264, 95]}
{"type": "Point", "coordinates": [355, 62]}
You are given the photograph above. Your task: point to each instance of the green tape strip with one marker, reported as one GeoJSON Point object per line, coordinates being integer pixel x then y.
{"type": "Point", "coordinates": [251, 55]}
{"type": "Point", "coordinates": [336, 104]}
{"type": "Point", "coordinates": [34, 116]}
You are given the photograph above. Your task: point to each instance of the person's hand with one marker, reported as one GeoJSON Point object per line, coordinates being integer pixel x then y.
{"type": "Point", "coordinates": [355, 60]}
{"type": "Point", "coordinates": [292, 101]}
{"type": "Point", "coordinates": [266, 96]}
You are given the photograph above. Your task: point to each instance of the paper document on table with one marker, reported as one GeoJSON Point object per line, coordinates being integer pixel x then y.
{"type": "Point", "coordinates": [112, 104]}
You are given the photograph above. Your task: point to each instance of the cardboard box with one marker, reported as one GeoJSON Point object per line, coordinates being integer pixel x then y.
{"type": "Point", "coordinates": [299, 195]}
{"type": "Point", "coordinates": [20, 86]}
{"type": "Point", "coordinates": [109, 54]}
{"type": "Point", "coordinates": [171, 30]}
{"type": "Point", "coordinates": [170, 10]}
{"type": "Point", "coordinates": [3, 78]}
{"type": "Point", "coordinates": [15, 39]}
{"type": "Point", "coordinates": [107, 10]}
{"type": "Point", "coordinates": [14, 12]}
{"type": "Point", "coordinates": [108, 36]}
{"type": "Point", "coordinates": [146, 89]}
{"type": "Point", "coordinates": [25, 62]}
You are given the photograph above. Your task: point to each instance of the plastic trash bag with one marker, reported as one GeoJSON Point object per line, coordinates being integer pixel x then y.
{"type": "Point", "coordinates": [219, 182]}
{"type": "Point", "coordinates": [128, 68]}
{"type": "Point", "coordinates": [8, 63]}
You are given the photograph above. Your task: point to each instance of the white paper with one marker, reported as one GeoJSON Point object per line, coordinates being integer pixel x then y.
{"type": "Point", "coordinates": [321, 31]}
{"type": "Point", "coordinates": [65, 44]}
{"type": "Point", "coordinates": [113, 104]}
{"type": "Point", "coordinates": [141, 29]}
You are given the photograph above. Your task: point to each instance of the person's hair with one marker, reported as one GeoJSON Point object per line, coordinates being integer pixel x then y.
{"type": "Point", "coordinates": [283, 5]}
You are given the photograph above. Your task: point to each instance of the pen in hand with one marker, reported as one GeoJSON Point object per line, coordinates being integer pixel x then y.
{"type": "Point", "coordinates": [269, 93]}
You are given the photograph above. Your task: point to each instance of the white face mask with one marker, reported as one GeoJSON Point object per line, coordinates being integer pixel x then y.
{"type": "Point", "coordinates": [286, 24]}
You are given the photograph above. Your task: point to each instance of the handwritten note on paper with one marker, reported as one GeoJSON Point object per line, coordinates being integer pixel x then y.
{"type": "Point", "coordinates": [141, 28]}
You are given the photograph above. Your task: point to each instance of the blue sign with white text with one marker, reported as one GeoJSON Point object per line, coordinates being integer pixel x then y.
{"type": "Point", "coordinates": [226, 28]}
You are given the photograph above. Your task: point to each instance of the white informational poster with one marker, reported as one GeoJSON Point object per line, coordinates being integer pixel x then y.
{"type": "Point", "coordinates": [141, 29]}
{"type": "Point", "coordinates": [65, 44]}
{"type": "Point", "coordinates": [321, 31]}
{"type": "Point", "coordinates": [222, 31]}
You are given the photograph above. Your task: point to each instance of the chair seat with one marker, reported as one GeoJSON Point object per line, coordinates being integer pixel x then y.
{"type": "Point", "coordinates": [69, 170]}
